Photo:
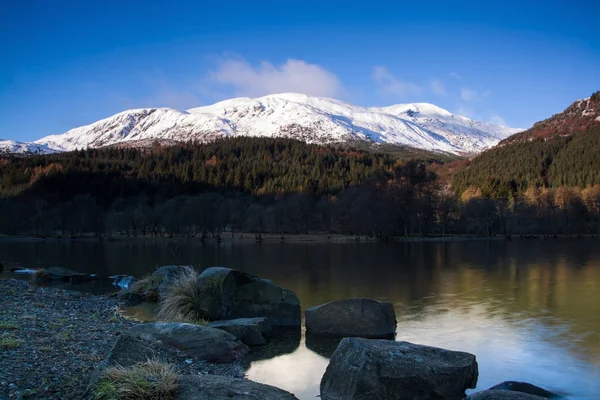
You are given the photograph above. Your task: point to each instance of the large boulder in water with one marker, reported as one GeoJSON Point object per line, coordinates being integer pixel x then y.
{"type": "Point", "coordinates": [524, 387]}
{"type": "Point", "coordinates": [227, 294]}
{"type": "Point", "coordinates": [384, 369]}
{"type": "Point", "coordinates": [250, 331]}
{"type": "Point", "coordinates": [503, 395]}
{"type": "Point", "coordinates": [216, 387]}
{"type": "Point", "coordinates": [200, 342]}
{"type": "Point", "coordinates": [352, 317]}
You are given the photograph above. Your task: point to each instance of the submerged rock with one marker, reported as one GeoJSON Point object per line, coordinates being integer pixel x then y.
{"type": "Point", "coordinates": [60, 273]}
{"type": "Point", "coordinates": [525, 387]}
{"type": "Point", "coordinates": [386, 369]}
{"type": "Point", "coordinates": [503, 395]}
{"type": "Point", "coordinates": [201, 342]}
{"type": "Point", "coordinates": [250, 331]}
{"type": "Point", "coordinates": [227, 294]}
{"type": "Point", "coordinates": [352, 317]}
{"type": "Point", "coordinates": [216, 387]}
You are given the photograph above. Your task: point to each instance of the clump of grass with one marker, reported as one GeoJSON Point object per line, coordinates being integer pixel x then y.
{"type": "Point", "coordinates": [8, 342]}
{"type": "Point", "coordinates": [42, 275]}
{"type": "Point", "coordinates": [151, 380]}
{"type": "Point", "coordinates": [8, 326]}
{"type": "Point", "coordinates": [181, 302]}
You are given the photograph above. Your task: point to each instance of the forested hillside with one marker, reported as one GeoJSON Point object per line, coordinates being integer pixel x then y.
{"type": "Point", "coordinates": [552, 162]}
{"type": "Point", "coordinates": [282, 186]}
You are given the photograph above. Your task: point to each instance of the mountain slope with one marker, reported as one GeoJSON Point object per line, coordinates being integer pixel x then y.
{"type": "Point", "coordinates": [14, 147]}
{"type": "Point", "coordinates": [310, 119]}
{"type": "Point", "coordinates": [578, 117]}
{"type": "Point", "coordinates": [559, 151]}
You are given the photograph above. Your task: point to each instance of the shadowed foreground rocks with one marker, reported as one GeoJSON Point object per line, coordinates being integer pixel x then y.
{"type": "Point", "coordinates": [352, 317]}
{"type": "Point", "coordinates": [362, 369]}
{"type": "Point", "coordinates": [215, 387]}
{"type": "Point", "coordinates": [200, 342]}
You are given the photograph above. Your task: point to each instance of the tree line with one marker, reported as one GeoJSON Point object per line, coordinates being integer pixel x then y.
{"type": "Point", "coordinates": [278, 186]}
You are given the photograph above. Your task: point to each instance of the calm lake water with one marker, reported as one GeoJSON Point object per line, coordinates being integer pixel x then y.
{"type": "Point", "coordinates": [529, 310]}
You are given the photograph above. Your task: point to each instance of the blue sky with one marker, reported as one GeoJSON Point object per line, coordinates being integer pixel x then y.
{"type": "Point", "coordinates": [69, 63]}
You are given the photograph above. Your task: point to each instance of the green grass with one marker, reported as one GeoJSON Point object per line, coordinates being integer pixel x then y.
{"type": "Point", "coordinates": [7, 343]}
{"type": "Point", "coordinates": [7, 326]}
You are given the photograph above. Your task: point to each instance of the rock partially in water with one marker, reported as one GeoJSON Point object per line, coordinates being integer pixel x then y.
{"type": "Point", "coordinates": [322, 345]}
{"type": "Point", "coordinates": [525, 387]}
{"type": "Point", "coordinates": [385, 369]}
{"type": "Point", "coordinates": [23, 271]}
{"type": "Point", "coordinates": [1, 268]}
{"type": "Point", "coordinates": [124, 281]}
{"type": "Point", "coordinates": [62, 274]}
{"type": "Point", "coordinates": [227, 294]}
{"type": "Point", "coordinates": [503, 395]}
{"type": "Point", "coordinates": [215, 387]}
{"type": "Point", "coordinates": [352, 317]}
{"type": "Point", "coordinates": [250, 331]}
{"type": "Point", "coordinates": [201, 342]}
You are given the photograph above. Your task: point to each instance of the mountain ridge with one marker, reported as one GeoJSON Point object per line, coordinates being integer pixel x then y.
{"type": "Point", "coordinates": [317, 120]}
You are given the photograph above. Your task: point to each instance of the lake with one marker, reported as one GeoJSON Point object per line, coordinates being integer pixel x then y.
{"type": "Point", "coordinates": [528, 309]}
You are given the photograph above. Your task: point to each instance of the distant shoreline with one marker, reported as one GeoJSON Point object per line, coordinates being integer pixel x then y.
{"type": "Point", "coordinates": [247, 238]}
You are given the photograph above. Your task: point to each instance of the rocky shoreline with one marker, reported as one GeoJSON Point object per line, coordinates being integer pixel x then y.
{"type": "Point", "coordinates": [53, 340]}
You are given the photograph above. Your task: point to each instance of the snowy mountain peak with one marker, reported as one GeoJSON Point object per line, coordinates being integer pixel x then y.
{"type": "Point", "coordinates": [292, 115]}
{"type": "Point", "coordinates": [14, 147]}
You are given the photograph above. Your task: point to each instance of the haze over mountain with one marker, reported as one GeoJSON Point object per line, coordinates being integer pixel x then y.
{"type": "Point", "coordinates": [310, 119]}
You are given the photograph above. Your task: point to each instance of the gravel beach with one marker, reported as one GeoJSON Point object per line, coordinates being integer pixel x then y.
{"type": "Point", "coordinates": [52, 341]}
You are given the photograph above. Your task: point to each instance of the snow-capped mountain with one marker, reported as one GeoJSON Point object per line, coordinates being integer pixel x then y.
{"type": "Point", "coordinates": [14, 147]}
{"type": "Point", "coordinates": [311, 119]}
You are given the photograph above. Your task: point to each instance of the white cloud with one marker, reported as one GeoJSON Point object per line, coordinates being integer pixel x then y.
{"type": "Point", "coordinates": [437, 87]}
{"type": "Point", "coordinates": [389, 84]}
{"type": "Point", "coordinates": [468, 94]}
{"type": "Point", "coordinates": [266, 78]}
{"type": "Point", "coordinates": [455, 75]}
{"type": "Point", "coordinates": [473, 95]}
{"type": "Point", "coordinates": [498, 120]}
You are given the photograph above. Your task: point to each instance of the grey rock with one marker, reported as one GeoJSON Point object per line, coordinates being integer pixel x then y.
{"type": "Point", "coordinates": [228, 294]}
{"type": "Point", "coordinates": [525, 387]}
{"type": "Point", "coordinates": [215, 387]}
{"type": "Point", "coordinates": [124, 281]}
{"type": "Point", "coordinates": [201, 342]}
{"type": "Point", "coordinates": [362, 369]}
{"type": "Point", "coordinates": [352, 317]}
{"type": "Point", "coordinates": [60, 273]}
{"type": "Point", "coordinates": [503, 395]}
{"type": "Point", "coordinates": [250, 331]}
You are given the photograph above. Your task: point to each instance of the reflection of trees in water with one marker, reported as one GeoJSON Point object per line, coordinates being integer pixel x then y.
{"type": "Point", "coordinates": [556, 281]}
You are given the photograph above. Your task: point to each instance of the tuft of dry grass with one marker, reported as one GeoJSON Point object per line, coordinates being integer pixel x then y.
{"type": "Point", "coordinates": [151, 380]}
{"type": "Point", "coordinates": [181, 302]}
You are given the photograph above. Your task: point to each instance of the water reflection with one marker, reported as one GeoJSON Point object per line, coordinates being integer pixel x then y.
{"type": "Point", "coordinates": [528, 309]}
